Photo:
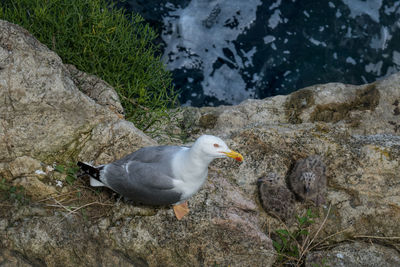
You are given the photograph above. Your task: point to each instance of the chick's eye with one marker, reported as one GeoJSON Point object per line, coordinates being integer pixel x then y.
{"type": "Point", "coordinates": [216, 145]}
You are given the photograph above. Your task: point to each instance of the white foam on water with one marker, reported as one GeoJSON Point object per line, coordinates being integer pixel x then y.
{"type": "Point", "coordinates": [389, 10]}
{"type": "Point", "coordinates": [269, 39]}
{"type": "Point", "coordinates": [368, 7]}
{"type": "Point", "coordinates": [231, 81]}
{"type": "Point", "coordinates": [380, 41]}
{"type": "Point", "coordinates": [316, 42]}
{"type": "Point", "coordinates": [196, 36]}
{"type": "Point", "coordinates": [248, 56]}
{"type": "Point", "coordinates": [275, 5]}
{"type": "Point", "coordinates": [348, 33]}
{"type": "Point", "coordinates": [275, 19]}
{"type": "Point", "coordinates": [392, 70]}
{"type": "Point", "coordinates": [351, 60]}
{"type": "Point", "coordinates": [374, 68]}
{"type": "Point", "coordinates": [396, 58]}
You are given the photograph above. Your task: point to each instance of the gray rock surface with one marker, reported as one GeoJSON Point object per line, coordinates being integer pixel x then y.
{"type": "Point", "coordinates": [46, 120]}
{"type": "Point", "coordinates": [354, 128]}
{"type": "Point", "coordinates": [355, 254]}
{"type": "Point", "coordinates": [96, 89]}
{"type": "Point", "coordinates": [44, 116]}
{"type": "Point", "coordinates": [359, 142]}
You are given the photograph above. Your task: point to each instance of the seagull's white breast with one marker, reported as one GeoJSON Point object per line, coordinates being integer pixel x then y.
{"type": "Point", "coordinates": [189, 173]}
{"type": "Point", "coordinates": [189, 188]}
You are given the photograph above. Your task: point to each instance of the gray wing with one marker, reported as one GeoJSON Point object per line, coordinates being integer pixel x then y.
{"type": "Point", "coordinates": [150, 154]}
{"type": "Point", "coordinates": [144, 176]}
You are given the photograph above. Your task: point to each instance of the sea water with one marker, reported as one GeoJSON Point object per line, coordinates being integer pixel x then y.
{"type": "Point", "coordinates": [226, 51]}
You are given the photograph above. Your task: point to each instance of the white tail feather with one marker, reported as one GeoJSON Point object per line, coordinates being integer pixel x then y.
{"type": "Point", "coordinates": [94, 182]}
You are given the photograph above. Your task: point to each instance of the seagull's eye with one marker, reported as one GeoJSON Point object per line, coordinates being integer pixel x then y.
{"type": "Point", "coordinates": [216, 145]}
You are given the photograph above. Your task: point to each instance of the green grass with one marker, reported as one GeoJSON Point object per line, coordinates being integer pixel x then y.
{"type": "Point", "coordinates": [70, 170]}
{"type": "Point", "coordinates": [101, 39]}
{"type": "Point", "coordinates": [292, 246]}
{"type": "Point", "coordinates": [12, 193]}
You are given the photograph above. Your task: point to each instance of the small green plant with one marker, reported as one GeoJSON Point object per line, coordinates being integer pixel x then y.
{"type": "Point", "coordinates": [70, 170]}
{"type": "Point", "coordinates": [12, 193]}
{"type": "Point", "coordinates": [291, 244]}
{"type": "Point", "coordinates": [101, 39]}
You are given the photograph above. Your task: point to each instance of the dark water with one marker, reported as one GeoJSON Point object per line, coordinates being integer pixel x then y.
{"type": "Point", "coordinates": [225, 51]}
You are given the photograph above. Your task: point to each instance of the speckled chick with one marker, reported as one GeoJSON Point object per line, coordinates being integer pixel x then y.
{"type": "Point", "coordinates": [308, 180]}
{"type": "Point", "coordinates": [275, 197]}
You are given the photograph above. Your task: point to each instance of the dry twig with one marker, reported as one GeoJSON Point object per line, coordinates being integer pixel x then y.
{"type": "Point", "coordinates": [306, 249]}
{"type": "Point", "coordinates": [378, 237]}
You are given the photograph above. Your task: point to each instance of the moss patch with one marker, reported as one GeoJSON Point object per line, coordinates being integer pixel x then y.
{"type": "Point", "coordinates": [365, 99]}
{"type": "Point", "coordinates": [208, 121]}
{"type": "Point", "coordinates": [298, 101]}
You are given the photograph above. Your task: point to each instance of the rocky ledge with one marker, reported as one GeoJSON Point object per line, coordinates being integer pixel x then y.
{"type": "Point", "coordinates": [52, 115]}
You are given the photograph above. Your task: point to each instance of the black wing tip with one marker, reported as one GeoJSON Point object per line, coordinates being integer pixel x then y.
{"type": "Point", "coordinates": [89, 169]}
{"type": "Point", "coordinates": [80, 164]}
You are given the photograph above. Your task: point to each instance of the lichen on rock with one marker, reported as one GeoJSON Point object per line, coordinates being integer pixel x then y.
{"type": "Point", "coordinates": [364, 99]}
{"type": "Point", "coordinates": [296, 103]}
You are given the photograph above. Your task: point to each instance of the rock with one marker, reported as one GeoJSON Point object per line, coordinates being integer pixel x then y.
{"type": "Point", "coordinates": [11, 258]}
{"type": "Point", "coordinates": [356, 254]}
{"type": "Point", "coordinates": [43, 113]}
{"type": "Point", "coordinates": [354, 128]}
{"type": "Point", "coordinates": [355, 108]}
{"type": "Point", "coordinates": [28, 211]}
{"type": "Point", "coordinates": [96, 89]}
{"type": "Point", "coordinates": [24, 165]}
{"type": "Point", "coordinates": [46, 119]}
{"type": "Point", "coordinates": [3, 224]}
{"type": "Point", "coordinates": [35, 188]}
{"type": "Point", "coordinates": [108, 141]}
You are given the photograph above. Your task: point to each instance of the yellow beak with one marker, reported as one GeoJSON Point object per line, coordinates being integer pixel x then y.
{"type": "Point", "coordinates": [234, 155]}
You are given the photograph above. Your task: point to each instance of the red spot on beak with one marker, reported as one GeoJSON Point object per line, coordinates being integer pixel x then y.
{"type": "Point", "coordinates": [234, 155]}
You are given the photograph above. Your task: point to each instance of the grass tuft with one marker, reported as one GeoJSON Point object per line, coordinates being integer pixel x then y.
{"type": "Point", "coordinates": [12, 194]}
{"type": "Point", "coordinates": [101, 39]}
{"type": "Point", "coordinates": [292, 246]}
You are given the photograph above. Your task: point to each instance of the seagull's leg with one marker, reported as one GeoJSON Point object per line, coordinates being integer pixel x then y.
{"type": "Point", "coordinates": [181, 210]}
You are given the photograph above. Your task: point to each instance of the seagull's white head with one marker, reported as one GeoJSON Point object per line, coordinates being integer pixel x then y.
{"type": "Point", "coordinates": [214, 147]}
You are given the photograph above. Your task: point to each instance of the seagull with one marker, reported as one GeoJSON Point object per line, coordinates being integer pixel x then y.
{"type": "Point", "coordinates": [161, 175]}
{"type": "Point", "coordinates": [275, 197]}
{"type": "Point", "coordinates": [308, 179]}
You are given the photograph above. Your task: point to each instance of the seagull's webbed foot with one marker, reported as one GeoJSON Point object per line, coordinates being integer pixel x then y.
{"type": "Point", "coordinates": [181, 210]}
